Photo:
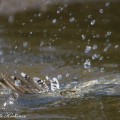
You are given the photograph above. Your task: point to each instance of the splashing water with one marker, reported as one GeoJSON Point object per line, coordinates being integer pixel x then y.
{"type": "Point", "coordinates": [66, 43]}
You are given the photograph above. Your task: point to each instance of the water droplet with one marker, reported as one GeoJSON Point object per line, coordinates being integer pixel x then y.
{"type": "Point", "coordinates": [92, 22]}
{"type": "Point", "coordinates": [59, 77]}
{"type": "Point", "coordinates": [17, 83]}
{"type": "Point", "coordinates": [4, 104]}
{"type": "Point", "coordinates": [101, 58]}
{"type": "Point", "coordinates": [116, 46]}
{"type": "Point", "coordinates": [83, 37]}
{"type": "Point", "coordinates": [107, 4]}
{"type": "Point", "coordinates": [39, 14]}
{"type": "Point", "coordinates": [102, 69]}
{"type": "Point", "coordinates": [64, 27]}
{"type": "Point", "coordinates": [109, 33]}
{"type": "Point", "coordinates": [95, 47]}
{"type": "Point", "coordinates": [89, 16]}
{"type": "Point", "coordinates": [16, 47]}
{"type": "Point", "coordinates": [78, 46]}
{"type": "Point", "coordinates": [25, 44]}
{"type": "Point", "coordinates": [95, 56]}
{"type": "Point", "coordinates": [107, 47]}
{"type": "Point", "coordinates": [47, 78]}
{"type": "Point", "coordinates": [72, 19]}
{"type": "Point", "coordinates": [101, 11]}
{"type": "Point", "coordinates": [87, 64]}
{"type": "Point", "coordinates": [58, 11]}
{"type": "Point", "coordinates": [2, 60]}
{"type": "Point", "coordinates": [54, 21]}
{"type": "Point", "coordinates": [23, 24]}
{"type": "Point", "coordinates": [11, 101]}
{"type": "Point", "coordinates": [31, 20]}
{"type": "Point", "coordinates": [67, 75]}
{"type": "Point", "coordinates": [88, 49]}
{"type": "Point", "coordinates": [31, 33]}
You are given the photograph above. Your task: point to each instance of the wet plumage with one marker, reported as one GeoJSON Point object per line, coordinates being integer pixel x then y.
{"type": "Point", "coordinates": [26, 85]}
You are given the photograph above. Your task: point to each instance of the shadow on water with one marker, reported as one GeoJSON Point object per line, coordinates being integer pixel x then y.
{"type": "Point", "coordinates": [74, 42]}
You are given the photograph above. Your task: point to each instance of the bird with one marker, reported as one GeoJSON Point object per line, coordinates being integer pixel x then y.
{"type": "Point", "coordinates": [26, 85]}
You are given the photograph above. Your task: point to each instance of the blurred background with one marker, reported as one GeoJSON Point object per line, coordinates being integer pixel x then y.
{"type": "Point", "coordinates": [53, 33]}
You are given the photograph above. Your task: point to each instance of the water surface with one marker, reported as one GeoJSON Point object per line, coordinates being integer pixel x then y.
{"type": "Point", "coordinates": [74, 42]}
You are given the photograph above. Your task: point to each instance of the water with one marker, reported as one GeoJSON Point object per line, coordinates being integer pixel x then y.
{"type": "Point", "coordinates": [76, 43]}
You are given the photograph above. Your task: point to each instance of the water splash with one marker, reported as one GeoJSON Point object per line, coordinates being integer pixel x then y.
{"type": "Point", "coordinates": [87, 64]}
